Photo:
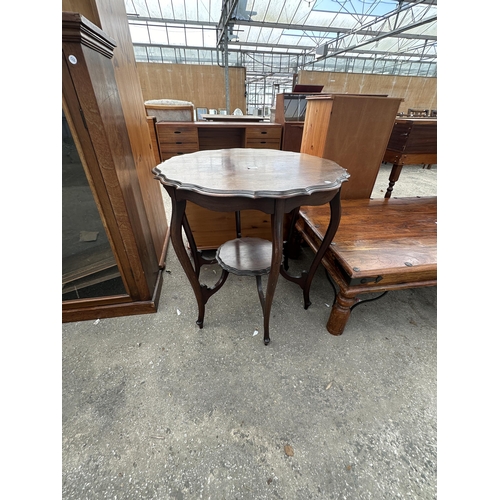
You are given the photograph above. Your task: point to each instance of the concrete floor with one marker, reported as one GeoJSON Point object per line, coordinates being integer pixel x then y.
{"type": "Point", "coordinates": [155, 408]}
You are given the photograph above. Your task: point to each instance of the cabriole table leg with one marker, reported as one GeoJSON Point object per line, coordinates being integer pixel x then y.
{"type": "Point", "coordinates": [305, 280]}
{"type": "Point", "coordinates": [276, 261]}
{"type": "Point", "coordinates": [202, 292]}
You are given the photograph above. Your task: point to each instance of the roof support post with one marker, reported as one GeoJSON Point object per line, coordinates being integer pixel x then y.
{"type": "Point", "coordinates": [226, 72]}
{"type": "Point", "coordinates": [227, 11]}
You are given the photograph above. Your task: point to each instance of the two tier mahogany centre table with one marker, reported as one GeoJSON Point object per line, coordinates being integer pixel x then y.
{"type": "Point", "coordinates": [229, 180]}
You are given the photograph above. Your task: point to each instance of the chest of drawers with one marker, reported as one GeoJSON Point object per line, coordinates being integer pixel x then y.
{"type": "Point", "coordinates": [175, 138]}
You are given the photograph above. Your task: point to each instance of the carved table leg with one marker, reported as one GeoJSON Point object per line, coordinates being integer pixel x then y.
{"type": "Point", "coordinates": [292, 240]}
{"type": "Point", "coordinates": [179, 221]}
{"type": "Point", "coordinates": [178, 211]}
{"type": "Point", "coordinates": [335, 211]}
{"type": "Point", "coordinates": [393, 178]}
{"type": "Point", "coordinates": [340, 313]}
{"type": "Point", "coordinates": [198, 258]}
{"type": "Point", "coordinates": [277, 256]}
{"type": "Point", "coordinates": [305, 280]}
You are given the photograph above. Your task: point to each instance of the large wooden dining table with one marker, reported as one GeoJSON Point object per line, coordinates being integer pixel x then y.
{"type": "Point", "coordinates": [230, 180]}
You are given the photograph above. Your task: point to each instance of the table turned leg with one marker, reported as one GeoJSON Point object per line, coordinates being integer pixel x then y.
{"type": "Point", "coordinates": [340, 313]}
{"type": "Point", "coordinates": [178, 213]}
{"type": "Point", "coordinates": [393, 178]}
{"type": "Point", "coordinates": [198, 258]}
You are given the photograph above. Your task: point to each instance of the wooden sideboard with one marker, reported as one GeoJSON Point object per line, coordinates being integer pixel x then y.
{"type": "Point", "coordinates": [211, 229]}
{"type": "Point", "coordinates": [412, 141]}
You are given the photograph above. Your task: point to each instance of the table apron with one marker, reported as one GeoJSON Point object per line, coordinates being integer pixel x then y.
{"type": "Point", "coordinates": [266, 205]}
{"type": "Point", "coordinates": [313, 199]}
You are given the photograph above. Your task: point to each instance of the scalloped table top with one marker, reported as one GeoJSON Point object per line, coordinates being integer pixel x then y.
{"type": "Point", "coordinates": [254, 173]}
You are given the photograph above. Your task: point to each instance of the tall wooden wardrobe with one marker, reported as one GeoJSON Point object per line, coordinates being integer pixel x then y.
{"type": "Point", "coordinates": [114, 227]}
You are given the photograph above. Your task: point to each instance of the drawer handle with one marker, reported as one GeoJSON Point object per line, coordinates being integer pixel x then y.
{"type": "Point", "coordinates": [177, 131]}
{"type": "Point", "coordinates": [263, 132]}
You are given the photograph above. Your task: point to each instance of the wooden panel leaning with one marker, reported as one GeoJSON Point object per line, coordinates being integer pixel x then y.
{"type": "Point", "coordinates": [111, 17]}
{"type": "Point", "coordinates": [380, 245]}
{"type": "Point", "coordinates": [352, 130]}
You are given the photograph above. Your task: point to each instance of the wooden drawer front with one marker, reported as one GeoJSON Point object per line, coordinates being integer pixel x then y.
{"type": "Point", "coordinates": [166, 155]}
{"type": "Point", "coordinates": [176, 140]}
{"type": "Point", "coordinates": [179, 147]}
{"type": "Point", "coordinates": [263, 133]}
{"type": "Point", "coordinates": [263, 143]}
{"type": "Point", "coordinates": [169, 134]}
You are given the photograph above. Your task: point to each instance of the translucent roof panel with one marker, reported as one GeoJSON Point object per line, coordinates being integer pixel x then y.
{"type": "Point", "coordinates": [315, 32]}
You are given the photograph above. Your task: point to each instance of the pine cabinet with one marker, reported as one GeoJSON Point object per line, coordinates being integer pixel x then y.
{"type": "Point", "coordinates": [352, 130]}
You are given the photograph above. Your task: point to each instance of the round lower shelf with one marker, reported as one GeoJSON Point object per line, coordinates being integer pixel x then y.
{"type": "Point", "coordinates": [245, 256]}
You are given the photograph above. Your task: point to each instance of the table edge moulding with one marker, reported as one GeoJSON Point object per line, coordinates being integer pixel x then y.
{"type": "Point", "coordinates": [229, 180]}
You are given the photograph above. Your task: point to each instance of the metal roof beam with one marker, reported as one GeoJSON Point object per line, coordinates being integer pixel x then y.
{"type": "Point", "coordinates": [160, 20]}
{"type": "Point", "coordinates": [354, 54]}
{"type": "Point", "coordinates": [319, 29]}
{"type": "Point", "coordinates": [227, 11]}
{"type": "Point", "coordinates": [230, 49]}
{"type": "Point", "coordinates": [324, 29]}
{"type": "Point", "coordinates": [377, 38]}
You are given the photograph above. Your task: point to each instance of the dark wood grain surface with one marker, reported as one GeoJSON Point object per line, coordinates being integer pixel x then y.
{"type": "Point", "coordinates": [246, 256]}
{"type": "Point", "coordinates": [253, 173]}
{"type": "Point", "coordinates": [380, 245]}
{"type": "Point", "coordinates": [383, 236]}
{"type": "Point", "coordinates": [271, 181]}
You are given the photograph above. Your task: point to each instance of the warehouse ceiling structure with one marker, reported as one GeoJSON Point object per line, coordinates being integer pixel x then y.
{"type": "Point", "coordinates": [275, 39]}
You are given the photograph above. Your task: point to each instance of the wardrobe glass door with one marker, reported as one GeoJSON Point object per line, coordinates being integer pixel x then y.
{"type": "Point", "coordinates": [89, 268]}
